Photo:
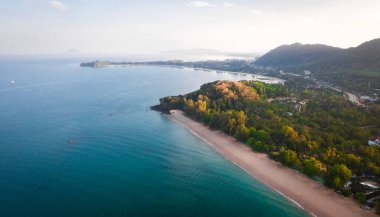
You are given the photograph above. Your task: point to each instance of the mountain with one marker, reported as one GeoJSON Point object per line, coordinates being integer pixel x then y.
{"type": "Point", "coordinates": [356, 68]}
{"type": "Point", "coordinates": [364, 57]}
{"type": "Point", "coordinates": [297, 54]}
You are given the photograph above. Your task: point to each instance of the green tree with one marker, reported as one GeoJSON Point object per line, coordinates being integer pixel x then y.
{"type": "Point", "coordinates": [289, 132]}
{"type": "Point", "coordinates": [312, 167]}
{"type": "Point", "coordinates": [240, 118]}
{"type": "Point", "coordinates": [262, 135]}
{"type": "Point", "coordinates": [360, 196]}
{"type": "Point", "coordinates": [338, 175]}
{"type": "Point", "coordinates": [373, 168]}
{"type": "Point", "coordinates": [242, 132]}
{"type": "Point", "coordinates": [231, 125]}
{"type": "Point", "coordinates": [289, 158]}
{"type": "Point", "coordinates": [252, 131]}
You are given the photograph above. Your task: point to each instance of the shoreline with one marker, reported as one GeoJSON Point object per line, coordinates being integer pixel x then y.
{"type": "Point", "coordinates": [302, 191]}
{"type": "Point", "coordinates": [253, 76]}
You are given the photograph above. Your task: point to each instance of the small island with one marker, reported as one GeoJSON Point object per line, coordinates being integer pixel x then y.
{"type": "Point", "coordinates": [310, 129]}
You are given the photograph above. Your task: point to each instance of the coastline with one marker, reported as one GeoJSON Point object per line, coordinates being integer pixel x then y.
{"type": "Point", "coordinates": [258, 77]}
{"type": "Point", "coordinates": [253, 76]}
{"type": "Point", "coordinates": [304, 192]}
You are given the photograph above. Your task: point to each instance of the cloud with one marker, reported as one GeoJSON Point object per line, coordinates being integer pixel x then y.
{"type": "Point", "coordinates": [228, 4]}
{"type": "Point", "coordinates": [200, 4]}
{"type": "Point", "coordinates": [254, 12]}
{"type": "Point", "coordinates": [58, 5]}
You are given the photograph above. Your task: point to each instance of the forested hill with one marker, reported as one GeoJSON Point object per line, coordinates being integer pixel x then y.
{"type": "Point", "coordinates": [298, 54]}
{"type": "Point", "coordinates": [356, 68]}
{"type": "Point", "coordinates": [313, 130]}
{"type": "Point", "coordinates": [365, 57]}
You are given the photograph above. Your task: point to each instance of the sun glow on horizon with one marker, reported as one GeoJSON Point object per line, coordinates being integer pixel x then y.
{"type": "Point", "coordinates": [115, 26]}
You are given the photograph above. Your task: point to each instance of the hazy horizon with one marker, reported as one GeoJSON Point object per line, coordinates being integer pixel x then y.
{"type": "Point", "coordinates": [38, 27]}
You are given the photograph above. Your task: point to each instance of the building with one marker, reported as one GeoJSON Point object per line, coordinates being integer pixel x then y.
{"type": "Point", "coordinates": [298, 107]}
{"type": "Point", "coordinates": [307, 72]}
{"type": "Point", "coordinates": [347, 184]}
{"type": "Point", "coordinates": [372, 196]}
{"type": "Point", "coordinates": [374, 141]}
{"type": "Point", "coordinates": [368, 99]}
{"type": "Point", "coordinates": [364, 186]}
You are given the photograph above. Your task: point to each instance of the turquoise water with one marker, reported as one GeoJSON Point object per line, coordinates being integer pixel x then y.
{"type": "Point", "coordinates": [83, 142]}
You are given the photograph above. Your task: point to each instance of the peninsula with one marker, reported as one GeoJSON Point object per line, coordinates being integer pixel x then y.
{"type": "Point", "coordinates": [311, 131]}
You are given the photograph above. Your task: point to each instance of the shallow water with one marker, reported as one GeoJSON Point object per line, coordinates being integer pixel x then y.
{"type": "Point", "coordinates": [83, 142]}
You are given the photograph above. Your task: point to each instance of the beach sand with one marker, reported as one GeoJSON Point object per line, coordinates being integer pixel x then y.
{"type": "Point", "coordinates": [303, 191]}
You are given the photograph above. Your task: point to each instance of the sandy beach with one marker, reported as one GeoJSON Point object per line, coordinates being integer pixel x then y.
{"type": "Point", "coordinates": [307, 193]}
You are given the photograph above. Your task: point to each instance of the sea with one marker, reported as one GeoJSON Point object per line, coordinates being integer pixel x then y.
{"type": "Point", "coordinates": [83, 142]}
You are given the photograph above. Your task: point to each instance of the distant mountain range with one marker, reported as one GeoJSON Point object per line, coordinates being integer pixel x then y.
{"type": "Point", "coordinates": [359, 66]}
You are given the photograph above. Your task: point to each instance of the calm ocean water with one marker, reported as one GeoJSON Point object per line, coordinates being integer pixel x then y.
{"type": "Point", "coordinates": [83, 142]}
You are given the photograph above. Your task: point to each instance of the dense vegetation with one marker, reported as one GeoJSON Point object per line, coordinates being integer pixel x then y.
{"type": "Point", "coordinates": [355, 68]}
{"type": "Point", "coordinates": [313, 130]}
{"type": "Point", "coordinates": [297, 54]}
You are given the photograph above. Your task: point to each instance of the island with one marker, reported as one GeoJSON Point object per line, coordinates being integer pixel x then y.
{"type": "Point", "coordinates": [304, 141]}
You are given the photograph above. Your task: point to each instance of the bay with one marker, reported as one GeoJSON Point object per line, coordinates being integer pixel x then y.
{"type": "Point", "coordinates": [83, 142]}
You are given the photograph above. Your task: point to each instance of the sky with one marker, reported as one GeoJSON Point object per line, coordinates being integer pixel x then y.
{"type": "Point", "coordinates": [154, 26]}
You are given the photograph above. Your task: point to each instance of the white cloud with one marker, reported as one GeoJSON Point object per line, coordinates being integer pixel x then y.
{"type": "Point", "coordinates": [254, 12]}
{"type": "Point", "coordinates": [200, 4]}
{"type": "Point", "coordinates": [228, 4]}
{"type": "Point", "coordinates": [58, 5]}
